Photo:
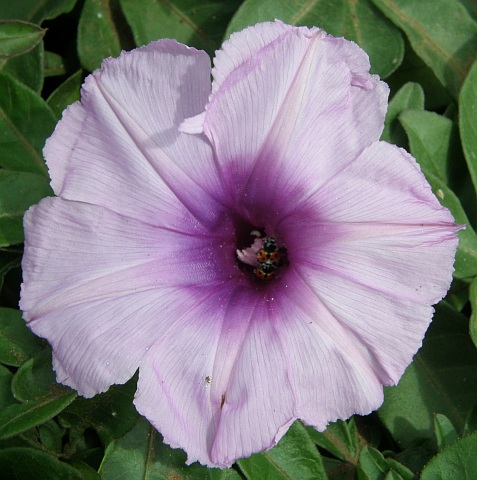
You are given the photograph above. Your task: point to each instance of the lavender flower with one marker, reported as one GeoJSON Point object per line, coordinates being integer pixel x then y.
{"type": "Point", "coordinates": [253, 249]}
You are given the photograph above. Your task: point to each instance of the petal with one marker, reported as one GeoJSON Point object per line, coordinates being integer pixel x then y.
{"type": "Point", "coordinates": [244, 45]}
{"type": "Point", "coordinates": [258, 402]}
{"type": "Point", "coordinates": [332, 375]}
{"type": "Point", "coordinates": [99, 286]}
{"type": "Point", "coordinates": [408, 262]}
{"type": "Point", "coordinates": [387, 329]}
{"type": "Point", "coordinates": [135, 265]}
{"type": "Point", "coordinates": [378, 284]}
{"type": "Point", "coordinates": [377, 249]}
{"type": "Point", "coordinates": [247, 43]}
{"type": "Point", "coordinates": [370, 251]}
{"type": "Point", "coordinates": [290, 109]}
{"type": "Point", "coordinates": [384, 185]}
{"type": "Point", "coordinates": [173, 390]}
{"type": "Point", "coordinates": [103, 341]}
{"type": "Point", "coordinates": [381, 193]}
{"type": "Point", "coordinates": [210, 385]}
{"type": "Point", "coordinates": [121, 148]}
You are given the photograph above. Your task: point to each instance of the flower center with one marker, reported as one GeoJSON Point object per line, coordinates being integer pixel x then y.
{"type": "Point", "coordinates": [265, 255]}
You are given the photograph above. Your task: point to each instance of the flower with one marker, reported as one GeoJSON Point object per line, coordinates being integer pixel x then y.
{"type": "Point", "coordinates": [252, 247]}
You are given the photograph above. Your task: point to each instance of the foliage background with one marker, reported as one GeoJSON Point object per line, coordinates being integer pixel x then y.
{"type": "Point", "coordinates": [426, 51]}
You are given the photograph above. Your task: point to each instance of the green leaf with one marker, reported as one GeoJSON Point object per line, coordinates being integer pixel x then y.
{"type": "Point", "coordinates": [409, 96]}
{"type": "Point", "coordinates": [457, 461]}
{"type": "Point", "coordinates": [17, 38]}
{"type": "Point", "coordinates": [358, 21]}
{"type": "Point", "coordinates": [142, 454]}
{"type": "Point", "coordinates": [112, 413]}
{"type": "Point", "coordinates": [18, 418]}
{"type": "Point", "coordinates": [466, 257]}
{"type": "Point", "coordinates": [17, 343]}
{"type": "Point", "coordinates": [338, 470]}
{"type": "Point", "coordinates": [53, 65]}
{"type": "Point", "coordinates": [468, 121]}
{"type": "Point", "coordinates": [87, 472]}
{"type": "Point", "coordinates": [35, 11]}
{"type": "Point", "coordinates": [445, 431]}
{"type": "Point", "coordinates": [200, 26]}
{"type": "Point", "coordinates": [27, 463]}
{"type": "Point", "coordinates": [26, 122]}
{"type": "Point", "coordinates": [51, 436]}
{"type": "Point", "coordinates": [458, 295]}
{"type": "Point", "coordinates": [27, 69]}
{"type": "Point", "coordinates": [398, 471]}
{"type": "Point", "coordinates": [8, 261]}
{"type": "Point", "coordinates": [447, 45]}
{"type": "Point", "coordinates": [66, 94]}
{"type": "Point", "coordinates": [441, 379]}
{"type": "Point", "coordinates": [430, 137]}
{"type": "Point", "coordinates": [473, 314]}
{"type": "Point", "coordinates": [6, 397]}
{"type": "Point", "coordinates": [393, 475]}
{"type": "Point", "coordinates": [414, 458]}
{"type": "Point", "coordinates": [295, 456]}
{"type": "Point", "coordinates": [413, 69]}
{"type": "Point", "coordinates": [471, 6]}
{"type": "Point", "coordinates": [35, 379]}
{"type": "Point", "coordinates": [373, 466]}
{"type": "Point", "coordinates": [92, 456]}
{"type": "Point", "coordinates": [97, 34]}
{"type": "Point", "coordinates": [340, 438]}
{"type": "Point", "coordinates": [471, 421]}
{"type": "Point", "coordinates": [18, 190]}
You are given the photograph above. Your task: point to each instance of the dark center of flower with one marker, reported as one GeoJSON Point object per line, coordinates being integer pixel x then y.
{"type": "Point", "coordinates": [264, 257]}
